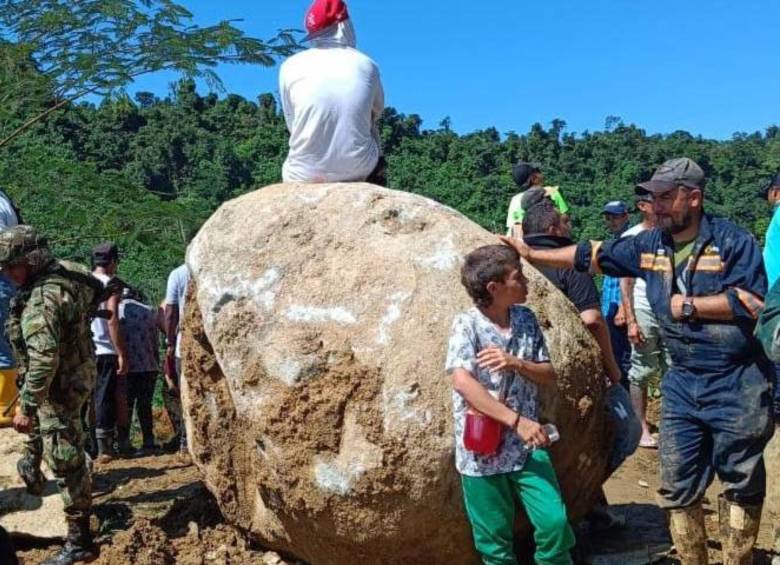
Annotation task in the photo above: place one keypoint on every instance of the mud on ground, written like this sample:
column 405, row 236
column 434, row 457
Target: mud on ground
column 156, row 511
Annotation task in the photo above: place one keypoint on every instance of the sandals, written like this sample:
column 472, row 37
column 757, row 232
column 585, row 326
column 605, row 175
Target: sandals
column 648, row 442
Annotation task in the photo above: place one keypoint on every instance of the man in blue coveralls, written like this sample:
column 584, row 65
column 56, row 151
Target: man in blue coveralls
column 706, row 283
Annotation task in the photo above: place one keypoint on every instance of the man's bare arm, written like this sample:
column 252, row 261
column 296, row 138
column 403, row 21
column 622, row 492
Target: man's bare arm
column 480, row 399
column 112, row 305
column 597, row 326
column 171, row 326
column 561, row 258
column 627, row 293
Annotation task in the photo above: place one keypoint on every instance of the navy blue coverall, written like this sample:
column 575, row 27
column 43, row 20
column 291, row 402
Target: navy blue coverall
column 716, row 415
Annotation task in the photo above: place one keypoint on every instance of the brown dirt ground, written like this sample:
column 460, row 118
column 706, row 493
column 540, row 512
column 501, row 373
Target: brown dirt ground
column 156, row 511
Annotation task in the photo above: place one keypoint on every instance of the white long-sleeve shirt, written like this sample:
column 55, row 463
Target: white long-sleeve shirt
column 332, row 96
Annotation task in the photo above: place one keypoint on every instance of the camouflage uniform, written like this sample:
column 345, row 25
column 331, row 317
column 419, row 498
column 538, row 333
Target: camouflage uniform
column 49, row 331
column 30, row 464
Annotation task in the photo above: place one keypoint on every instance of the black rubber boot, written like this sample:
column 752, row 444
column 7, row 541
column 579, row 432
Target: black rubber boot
column 79, row 547
column 32, row 476
column 123, row 442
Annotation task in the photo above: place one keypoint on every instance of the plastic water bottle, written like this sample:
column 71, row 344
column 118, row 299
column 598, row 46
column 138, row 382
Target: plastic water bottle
column 552, row 433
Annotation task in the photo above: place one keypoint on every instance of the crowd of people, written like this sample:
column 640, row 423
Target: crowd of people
column 685, row 306
column 84, row 350
column 685, row 299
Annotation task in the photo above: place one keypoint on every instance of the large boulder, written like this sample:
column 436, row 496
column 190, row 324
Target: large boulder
column 315, row 396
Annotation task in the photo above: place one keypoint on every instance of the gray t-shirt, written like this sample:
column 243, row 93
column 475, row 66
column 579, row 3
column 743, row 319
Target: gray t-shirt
column 472, row 332
column 175, row 295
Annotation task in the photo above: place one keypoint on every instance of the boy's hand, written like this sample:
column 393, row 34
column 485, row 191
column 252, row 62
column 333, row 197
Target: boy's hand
column 519, row 245
column 495, row 359
column 532, row 433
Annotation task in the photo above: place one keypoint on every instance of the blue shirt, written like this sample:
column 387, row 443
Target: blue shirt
column 772, row 248
column 611, row 298
column 7, row 292
column 725, row 259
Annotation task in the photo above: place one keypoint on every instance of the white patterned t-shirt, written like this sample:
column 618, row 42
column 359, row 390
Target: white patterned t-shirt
column 472, row 332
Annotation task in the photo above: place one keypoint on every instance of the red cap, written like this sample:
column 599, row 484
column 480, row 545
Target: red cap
column 325, row 13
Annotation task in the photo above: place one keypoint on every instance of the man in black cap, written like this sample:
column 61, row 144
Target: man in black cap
column 706, row 283
column 526, row 176
column 110, row 351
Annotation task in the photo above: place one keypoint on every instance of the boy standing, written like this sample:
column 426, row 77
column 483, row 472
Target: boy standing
column 492, row 341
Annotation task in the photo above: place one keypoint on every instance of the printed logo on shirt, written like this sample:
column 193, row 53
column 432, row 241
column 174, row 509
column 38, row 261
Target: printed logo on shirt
column 655, row 262
column 710, row 261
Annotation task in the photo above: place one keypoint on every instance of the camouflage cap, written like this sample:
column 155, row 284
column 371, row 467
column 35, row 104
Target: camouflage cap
column 18, row 242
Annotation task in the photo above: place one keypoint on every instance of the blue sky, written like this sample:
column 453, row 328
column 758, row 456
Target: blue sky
column 709, row 67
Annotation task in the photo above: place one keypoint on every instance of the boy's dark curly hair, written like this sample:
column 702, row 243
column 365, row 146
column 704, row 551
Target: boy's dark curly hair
column 491, row 263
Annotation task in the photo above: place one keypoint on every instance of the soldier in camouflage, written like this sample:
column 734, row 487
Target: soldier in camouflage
column 49, row 330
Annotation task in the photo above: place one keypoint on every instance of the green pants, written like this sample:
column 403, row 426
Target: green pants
column 490, row 506
column 63, row 451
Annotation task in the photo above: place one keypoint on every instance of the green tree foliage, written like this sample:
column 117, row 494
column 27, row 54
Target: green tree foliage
column 99, row 46
column 146, row 171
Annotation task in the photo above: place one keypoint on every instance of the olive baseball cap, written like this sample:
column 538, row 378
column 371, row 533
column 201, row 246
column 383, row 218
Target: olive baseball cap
column 674, row 173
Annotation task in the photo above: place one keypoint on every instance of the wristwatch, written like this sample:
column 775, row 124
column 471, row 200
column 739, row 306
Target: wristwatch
column 688, row 309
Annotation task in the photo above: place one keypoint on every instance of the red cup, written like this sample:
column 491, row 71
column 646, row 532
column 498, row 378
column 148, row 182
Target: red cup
column 482, row 434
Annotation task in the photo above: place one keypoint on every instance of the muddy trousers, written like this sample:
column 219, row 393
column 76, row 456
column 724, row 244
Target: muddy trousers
column 490, row 507
column 63, row 449
column 714, row 424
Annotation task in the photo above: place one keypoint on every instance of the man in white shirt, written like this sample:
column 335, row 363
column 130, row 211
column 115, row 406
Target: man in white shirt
column 332, row 97
column 111, row 355
column 175, row 297
column 649, row 358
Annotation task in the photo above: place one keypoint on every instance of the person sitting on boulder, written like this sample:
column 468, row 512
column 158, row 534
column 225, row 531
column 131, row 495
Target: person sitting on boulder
column 332, row 97
column 496, row 357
